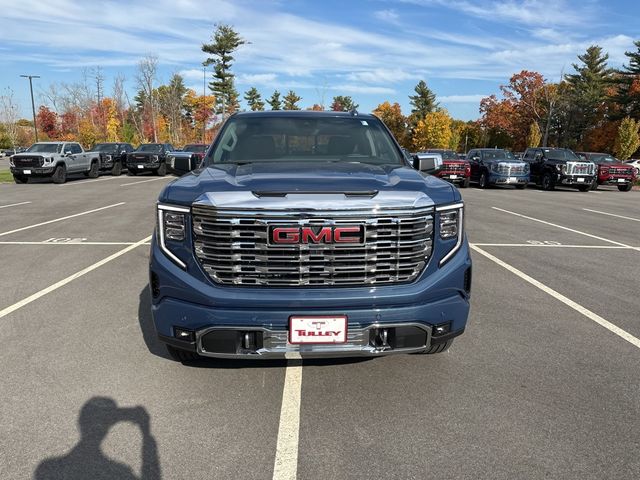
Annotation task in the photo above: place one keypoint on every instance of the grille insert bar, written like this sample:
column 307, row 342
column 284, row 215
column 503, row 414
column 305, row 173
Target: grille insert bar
column 233, row 248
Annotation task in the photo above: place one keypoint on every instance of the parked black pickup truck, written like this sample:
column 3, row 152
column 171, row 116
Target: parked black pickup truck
column 551, row 167
column 149, row 157
column 113, row 156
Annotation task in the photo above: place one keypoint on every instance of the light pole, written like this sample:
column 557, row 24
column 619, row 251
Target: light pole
column 204, row 102
column 33, row 105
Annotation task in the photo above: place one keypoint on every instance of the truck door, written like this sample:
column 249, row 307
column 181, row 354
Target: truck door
column 78, row 158
column 474, row 160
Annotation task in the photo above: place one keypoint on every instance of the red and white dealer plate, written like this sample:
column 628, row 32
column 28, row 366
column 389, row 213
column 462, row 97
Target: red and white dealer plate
column 317, row 329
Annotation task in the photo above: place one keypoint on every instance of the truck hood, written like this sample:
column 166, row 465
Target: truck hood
column 335, row 180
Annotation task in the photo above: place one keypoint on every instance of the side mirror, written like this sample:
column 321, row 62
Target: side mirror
column 67, row 153
column 475, row 158
column 427, row 163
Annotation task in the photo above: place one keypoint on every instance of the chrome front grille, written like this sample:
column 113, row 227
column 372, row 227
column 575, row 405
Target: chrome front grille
column 505, row 168
column 580, row 168
column 620, row 171
column 233, row 248
column 453, row 167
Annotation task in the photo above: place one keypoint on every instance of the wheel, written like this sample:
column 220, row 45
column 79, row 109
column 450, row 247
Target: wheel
column 59, row 174
column 162, row 170
column 116, row 170
column 521, row 186
column 20, row 179
column 625, row 188
column 184, row 356
column 133, row 172
column 482, row 183
column 594, row 184
column 93, row 171
column 547, row 182
column 438, row 348
column 465, row 183
column 585, row 188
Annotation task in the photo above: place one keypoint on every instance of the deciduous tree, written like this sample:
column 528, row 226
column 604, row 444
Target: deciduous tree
column 395, row 121
column 432, row 132
column 628, row 139
column 535, row 135
column 47, row 121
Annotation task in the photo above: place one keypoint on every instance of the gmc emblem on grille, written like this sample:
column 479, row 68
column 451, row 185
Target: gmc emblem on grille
column 324, row 235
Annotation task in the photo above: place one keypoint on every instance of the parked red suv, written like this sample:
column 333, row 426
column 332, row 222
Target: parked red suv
column 453, row 169
column 611, row 171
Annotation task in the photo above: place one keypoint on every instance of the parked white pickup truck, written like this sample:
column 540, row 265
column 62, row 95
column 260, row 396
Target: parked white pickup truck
column 55, row 160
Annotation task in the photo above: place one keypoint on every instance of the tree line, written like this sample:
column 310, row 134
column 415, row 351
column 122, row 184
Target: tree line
column 594, row 107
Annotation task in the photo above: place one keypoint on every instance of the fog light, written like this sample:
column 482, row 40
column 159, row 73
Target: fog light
column 441, row 329
column 184, row 334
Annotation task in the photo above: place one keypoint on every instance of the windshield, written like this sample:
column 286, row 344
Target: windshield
column 195, row 148
column 304, row 139
column 45, row 148
column 150, row 147
column 561, row 154
column 602, row 158
column 104, row 147
column 446, row 154
column 498, row 155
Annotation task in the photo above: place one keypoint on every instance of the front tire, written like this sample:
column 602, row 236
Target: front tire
column 438, row 348
column 162, row 170
column 465, row 183
column 116, row 170
column 59, row 174
column 133, row 173
column 183, row 356
column 20, row 179
column 521, row 186
column 547, row 182
column 482, row 182
column 584, row 188
column 625, row 188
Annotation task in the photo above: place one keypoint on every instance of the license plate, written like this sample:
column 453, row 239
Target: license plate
column 512, row 180
column 26, row 172
column 140, row 167
column 580, row 180
column 621, row 180
column 453, row 177
column 318, row 329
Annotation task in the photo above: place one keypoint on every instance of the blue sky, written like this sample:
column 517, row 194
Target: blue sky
column 373, row 50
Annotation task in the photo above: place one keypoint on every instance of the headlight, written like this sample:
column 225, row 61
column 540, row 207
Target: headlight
column 172, row 222
column 559, row 167
column 11, row 164
column 108, row 157
column 526, row 168
column 47, row 162
column 156, row 158
column 451, row 223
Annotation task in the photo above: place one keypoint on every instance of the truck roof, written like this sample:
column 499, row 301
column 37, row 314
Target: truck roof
column 303, row 113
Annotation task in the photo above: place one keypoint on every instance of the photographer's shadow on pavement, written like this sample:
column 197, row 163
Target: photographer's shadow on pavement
column 87, row 461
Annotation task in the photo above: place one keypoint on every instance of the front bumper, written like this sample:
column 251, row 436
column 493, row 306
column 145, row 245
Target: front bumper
column 33, row 171
column 453, row 177
column 575, row 180
column 615, row 181
column 498, row 179
column 187, row 301
column 143, row 166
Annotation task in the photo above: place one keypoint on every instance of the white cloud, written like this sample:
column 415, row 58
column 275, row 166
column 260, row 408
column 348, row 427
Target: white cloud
column 380, row 75
column 388, row 16
column 461, row 98
column 257, row 79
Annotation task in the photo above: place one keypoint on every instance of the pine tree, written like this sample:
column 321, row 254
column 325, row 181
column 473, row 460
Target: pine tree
column 254, row 99
column 587, row 92
column 628, row 85
column 291, row 100
column 423, row 102
column 274, row 102
column 343, row 104
column 225, row 42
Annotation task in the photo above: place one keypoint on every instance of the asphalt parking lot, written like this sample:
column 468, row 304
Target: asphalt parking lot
column 545, row 383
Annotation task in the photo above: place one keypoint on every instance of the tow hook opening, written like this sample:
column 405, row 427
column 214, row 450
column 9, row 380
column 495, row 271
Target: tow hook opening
column 393, row 338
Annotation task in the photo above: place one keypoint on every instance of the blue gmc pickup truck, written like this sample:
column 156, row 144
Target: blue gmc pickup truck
column 308, row 234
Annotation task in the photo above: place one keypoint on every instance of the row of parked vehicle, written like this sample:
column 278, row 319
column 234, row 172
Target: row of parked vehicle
column 544, row 167
column 59, row 159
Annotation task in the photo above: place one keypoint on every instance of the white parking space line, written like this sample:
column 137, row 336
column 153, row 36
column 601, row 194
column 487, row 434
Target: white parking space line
column 286, row 462
column 72, row 243
column 61, row 219
column 608, row 247
column 84, row 182
column 31, row 298
column 13, row 204
column 612, row 215
column 567, row 301
column 144, row 181
column 566, row 228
